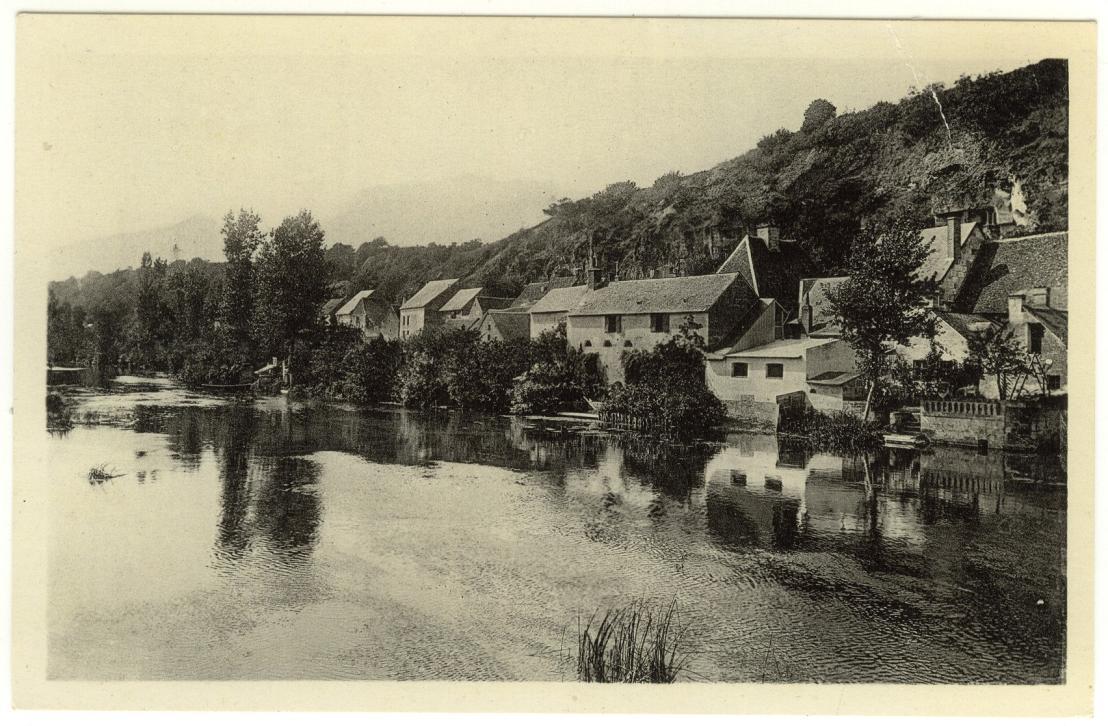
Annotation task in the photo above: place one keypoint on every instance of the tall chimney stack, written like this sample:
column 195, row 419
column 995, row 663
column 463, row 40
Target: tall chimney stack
column 771, row 235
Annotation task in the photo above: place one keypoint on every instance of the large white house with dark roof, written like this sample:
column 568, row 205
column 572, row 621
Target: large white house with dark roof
column 638, row 314
column 422, row 310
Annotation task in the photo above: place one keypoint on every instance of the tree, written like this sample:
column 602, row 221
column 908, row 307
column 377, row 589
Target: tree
column 241, row 239
column 292, row 284
column 883, row 303
column 997, row 353
column 819, row 112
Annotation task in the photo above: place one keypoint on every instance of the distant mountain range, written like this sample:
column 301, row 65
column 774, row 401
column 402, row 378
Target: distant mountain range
column 450, row 210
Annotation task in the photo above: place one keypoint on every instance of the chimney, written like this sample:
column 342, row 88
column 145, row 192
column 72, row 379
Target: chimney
column 771, row 235
column 807, row 317
column 1038, row 297
column 1015, row 308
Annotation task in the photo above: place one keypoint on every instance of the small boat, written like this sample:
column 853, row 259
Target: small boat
column 906, row 441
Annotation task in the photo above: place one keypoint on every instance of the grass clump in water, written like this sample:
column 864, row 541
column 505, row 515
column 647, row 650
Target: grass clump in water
column 101, row 473
column 634, row 644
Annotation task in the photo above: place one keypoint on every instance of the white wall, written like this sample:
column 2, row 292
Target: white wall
column 756, row 386
column 541, row 322
column 635, row 329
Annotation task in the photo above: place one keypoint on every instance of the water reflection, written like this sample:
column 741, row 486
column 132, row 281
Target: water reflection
column 947, row 565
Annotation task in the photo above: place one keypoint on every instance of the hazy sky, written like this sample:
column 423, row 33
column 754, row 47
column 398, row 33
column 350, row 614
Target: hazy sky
column 128, row 123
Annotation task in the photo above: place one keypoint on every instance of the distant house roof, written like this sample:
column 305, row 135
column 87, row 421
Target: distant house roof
column 488, row 302
column 770, row 272
column 560, row 299
column 1009, row 265
column 1056, row 321
column 660, row 295
column 813, row 292
column 460, row 301
column 781, row 349
column 833, row 378
column 533, row 291
column 428, row 293
column 936, row 239
column 509, row 324
column 965, row 324
column 331, row 306
column 352, row 303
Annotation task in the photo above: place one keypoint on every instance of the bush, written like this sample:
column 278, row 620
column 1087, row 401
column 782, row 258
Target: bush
column 680, row 411
column 838, row 432
column 559, row 379
column 372, row 370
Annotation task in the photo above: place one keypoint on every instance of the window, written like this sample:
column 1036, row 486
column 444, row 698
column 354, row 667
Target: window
column 738, row 370
column 627, row 344
column 775, row 370
column 613, row 324
column 1034, row 338
column 588, row 343
column 607, row 344
column 1053, row 383
column 659, row 323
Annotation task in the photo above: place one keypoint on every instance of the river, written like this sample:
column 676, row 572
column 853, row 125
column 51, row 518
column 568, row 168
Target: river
column 272, row 540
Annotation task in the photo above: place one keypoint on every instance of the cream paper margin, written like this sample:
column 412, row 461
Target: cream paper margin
column 40, row 37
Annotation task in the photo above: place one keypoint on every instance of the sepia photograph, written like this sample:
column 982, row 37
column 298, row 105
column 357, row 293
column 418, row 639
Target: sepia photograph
column 570, row 352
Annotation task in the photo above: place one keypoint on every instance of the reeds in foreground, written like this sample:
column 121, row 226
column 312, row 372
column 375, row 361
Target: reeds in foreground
column 638, row 643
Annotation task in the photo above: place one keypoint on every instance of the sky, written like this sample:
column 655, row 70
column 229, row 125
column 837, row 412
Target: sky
column 128, row 123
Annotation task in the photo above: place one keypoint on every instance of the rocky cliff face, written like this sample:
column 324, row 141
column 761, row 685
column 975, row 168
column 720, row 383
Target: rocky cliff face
column 998, row 140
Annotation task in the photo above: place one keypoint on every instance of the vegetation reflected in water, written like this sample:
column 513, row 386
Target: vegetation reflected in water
column 347, row 543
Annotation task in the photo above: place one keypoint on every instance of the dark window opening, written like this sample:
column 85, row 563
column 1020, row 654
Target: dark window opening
column 607, row 344
column 1035, row 337
column 1053, row 383
column 775, row 370
column 627, row 344
column 659, row 323
column 612, row 324
column 588, row 343
column 738, row 370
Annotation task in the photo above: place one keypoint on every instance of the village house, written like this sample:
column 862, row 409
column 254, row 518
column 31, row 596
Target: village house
column 422, row 310
column 370, row 314
column 505, row 325
column 553, row 308
column 329, row 309
column 771, row 265
column 755, row 382
column 1016, row 283
column 953, row 245
column 611, row 318
column 534, row 291
column 468, row 305
column 815, row 319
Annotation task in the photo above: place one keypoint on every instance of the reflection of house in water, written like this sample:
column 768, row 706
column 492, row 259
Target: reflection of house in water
column 760, row 495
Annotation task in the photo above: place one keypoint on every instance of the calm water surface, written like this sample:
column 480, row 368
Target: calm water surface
column 269, row 540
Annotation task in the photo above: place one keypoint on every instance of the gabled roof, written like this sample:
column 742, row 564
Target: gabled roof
column 428, row 293
column 769, row 272
column 460, row 301
column 1056, row 321
column 1008, row 265
column 966, row 325
column 734, row 336
column 658, row 295
column 813, row 292
column 510, row 324
column 352, row 303
column 488, row 302
column 534, row 291
column 938, row 262
column 560, row 299
column 331, row 306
